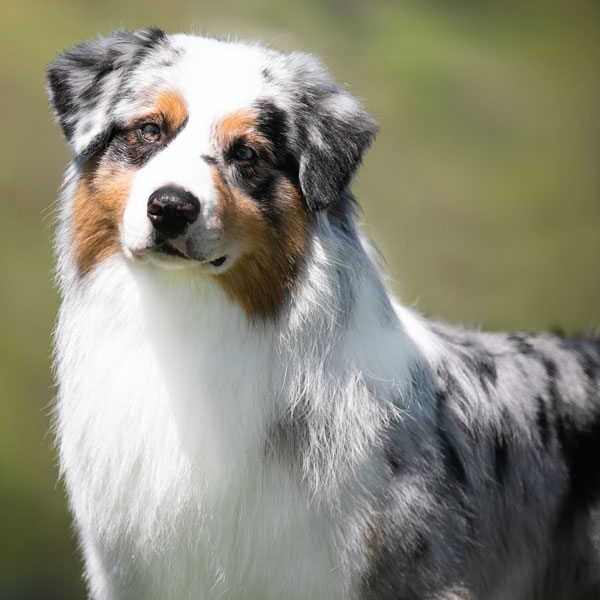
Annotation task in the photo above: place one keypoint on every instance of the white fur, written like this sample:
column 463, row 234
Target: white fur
column 166, row 394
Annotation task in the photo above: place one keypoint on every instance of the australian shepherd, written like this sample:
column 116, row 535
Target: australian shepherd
column 244, row 411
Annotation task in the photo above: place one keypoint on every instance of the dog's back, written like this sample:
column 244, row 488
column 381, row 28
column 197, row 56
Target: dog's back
column 243, row 410
column 507, row 470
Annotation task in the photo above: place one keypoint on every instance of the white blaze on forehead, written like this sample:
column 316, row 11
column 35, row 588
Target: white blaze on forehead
column 217, row 78
column 214, row 79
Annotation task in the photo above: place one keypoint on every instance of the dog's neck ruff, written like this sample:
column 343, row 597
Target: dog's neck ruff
column 180, row 414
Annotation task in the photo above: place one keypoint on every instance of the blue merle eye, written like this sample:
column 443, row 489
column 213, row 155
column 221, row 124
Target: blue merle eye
column 244, row 153
column 150, row 132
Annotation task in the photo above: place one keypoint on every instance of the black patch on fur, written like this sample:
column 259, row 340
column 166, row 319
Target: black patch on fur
column 581, row 450
column 287, row 437
column 394, row 463
column 484, row 364
column 541, row 419
column 264, row 191
column 578, row 433
column 477, row 360
column 68, row 128
column 551, row 374
column 554, row 396
column 330, row 160
column 127, row 145
column 421, row 548
column 590, row 367
column 260, row 180
column 272, row 123
column 61, row 99
column 89, row 94
column 100, row 142
column 450, row 453
column 451, row 386
column 76, row 79
column 500, row 454
column 550, row 366
column 332, row 133
column 521, row 343
column 488, row 374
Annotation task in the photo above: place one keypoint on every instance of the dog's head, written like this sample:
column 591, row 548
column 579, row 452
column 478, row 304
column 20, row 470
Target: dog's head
column 203, row 153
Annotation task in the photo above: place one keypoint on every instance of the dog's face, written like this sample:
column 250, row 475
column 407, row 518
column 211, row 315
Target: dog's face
column 199, row 153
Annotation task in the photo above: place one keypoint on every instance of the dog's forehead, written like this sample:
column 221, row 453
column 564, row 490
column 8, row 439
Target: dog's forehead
column 213, row 77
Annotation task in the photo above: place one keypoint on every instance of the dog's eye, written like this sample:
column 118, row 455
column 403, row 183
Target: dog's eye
column 244, row 153
column 150, row 132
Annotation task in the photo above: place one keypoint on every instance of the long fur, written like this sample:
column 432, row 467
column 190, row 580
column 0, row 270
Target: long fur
column 337, row 446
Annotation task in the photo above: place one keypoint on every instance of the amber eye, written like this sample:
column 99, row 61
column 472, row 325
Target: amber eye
column 150, row 132
column 244, row 153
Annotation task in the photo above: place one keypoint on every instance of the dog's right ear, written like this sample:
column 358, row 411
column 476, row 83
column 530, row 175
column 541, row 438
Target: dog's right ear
column 333, row 131
column 84, row 82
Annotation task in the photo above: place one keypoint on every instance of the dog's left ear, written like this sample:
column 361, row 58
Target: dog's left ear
column 85, row 82
column 333, row 132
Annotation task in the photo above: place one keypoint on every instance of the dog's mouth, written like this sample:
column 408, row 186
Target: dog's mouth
column 218, row 261
column 170, row 250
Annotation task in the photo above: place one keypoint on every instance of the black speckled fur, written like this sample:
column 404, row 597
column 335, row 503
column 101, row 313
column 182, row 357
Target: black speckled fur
column 515, row 470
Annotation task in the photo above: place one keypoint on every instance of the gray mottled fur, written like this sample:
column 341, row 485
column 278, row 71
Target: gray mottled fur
column 506, row 474
column 486, row 483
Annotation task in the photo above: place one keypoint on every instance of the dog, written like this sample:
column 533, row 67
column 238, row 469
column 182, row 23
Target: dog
column 243, row 410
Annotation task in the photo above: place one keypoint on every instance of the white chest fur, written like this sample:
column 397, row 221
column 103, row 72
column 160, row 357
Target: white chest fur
column 166, row 396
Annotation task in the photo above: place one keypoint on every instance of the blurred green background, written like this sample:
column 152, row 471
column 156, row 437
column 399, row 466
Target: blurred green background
column 482, row 190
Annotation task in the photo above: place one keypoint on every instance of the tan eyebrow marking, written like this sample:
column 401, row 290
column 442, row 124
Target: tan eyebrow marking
column 173, row 108
column 240, row 124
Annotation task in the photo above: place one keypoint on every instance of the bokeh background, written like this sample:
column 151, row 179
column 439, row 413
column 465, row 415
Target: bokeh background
column 483, row 189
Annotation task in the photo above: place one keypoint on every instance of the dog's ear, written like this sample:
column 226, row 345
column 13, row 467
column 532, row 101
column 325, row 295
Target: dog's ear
column 333, row 132
column 85, row 82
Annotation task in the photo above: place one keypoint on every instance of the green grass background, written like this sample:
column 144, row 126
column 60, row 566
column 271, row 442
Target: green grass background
column 482, row 190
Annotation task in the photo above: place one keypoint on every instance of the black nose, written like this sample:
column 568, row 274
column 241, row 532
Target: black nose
column 172, row 209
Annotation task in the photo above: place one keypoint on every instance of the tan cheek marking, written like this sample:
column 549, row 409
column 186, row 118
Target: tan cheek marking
column 266, row 270
column 295, row 219
column 103, row 191
column 97, row 214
